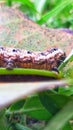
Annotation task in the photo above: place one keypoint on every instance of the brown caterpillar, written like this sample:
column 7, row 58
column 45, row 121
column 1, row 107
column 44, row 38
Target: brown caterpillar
column 48, row 60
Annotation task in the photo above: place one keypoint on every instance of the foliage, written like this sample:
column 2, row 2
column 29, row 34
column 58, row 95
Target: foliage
column 53, row 13
column 52, row 109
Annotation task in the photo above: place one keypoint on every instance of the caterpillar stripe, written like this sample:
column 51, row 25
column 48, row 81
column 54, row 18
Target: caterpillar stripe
column 49, row 59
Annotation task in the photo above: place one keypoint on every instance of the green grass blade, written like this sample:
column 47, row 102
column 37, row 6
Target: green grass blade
column 9, row 2
column 40, row 5
column 28, row 3
column 55, row 11
column 69, row 58
column 61, row 118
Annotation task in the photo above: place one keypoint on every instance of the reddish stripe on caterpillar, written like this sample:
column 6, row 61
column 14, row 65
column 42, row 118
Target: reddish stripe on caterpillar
column 11, row 58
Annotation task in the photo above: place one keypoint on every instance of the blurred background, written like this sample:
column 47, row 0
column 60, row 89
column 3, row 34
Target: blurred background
column 52, row 13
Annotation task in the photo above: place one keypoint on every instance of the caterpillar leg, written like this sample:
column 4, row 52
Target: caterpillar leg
column 9, row 64
column 55, row 69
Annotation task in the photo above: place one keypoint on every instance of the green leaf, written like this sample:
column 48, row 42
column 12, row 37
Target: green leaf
column 16, row 106
column 3, row 123
column 66, row 91
column 2, row 112
column 67, row 126
column 35, row 109
column 48, row 103
column 21, row 127
column 61, row 118
column 59, row 99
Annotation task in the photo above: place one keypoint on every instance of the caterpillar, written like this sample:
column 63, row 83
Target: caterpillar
column 11, row 58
